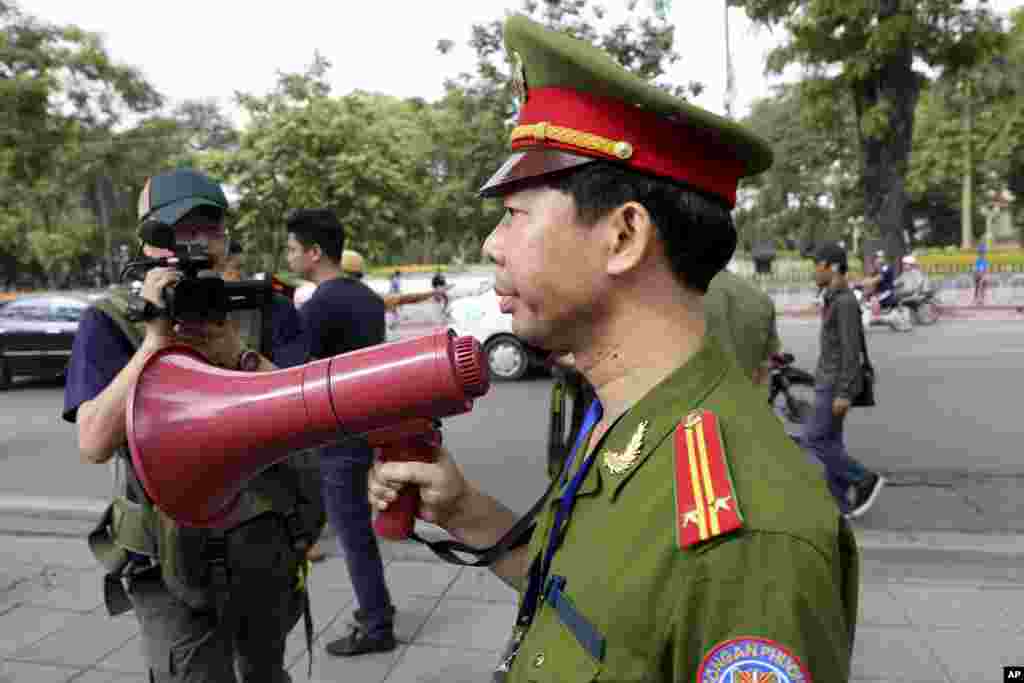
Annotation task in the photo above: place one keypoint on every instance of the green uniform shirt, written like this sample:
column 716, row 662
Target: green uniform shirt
column 788, row 576
column 742, row 318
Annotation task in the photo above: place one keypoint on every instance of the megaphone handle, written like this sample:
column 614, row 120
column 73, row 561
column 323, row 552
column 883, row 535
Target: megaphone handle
column 396, row 523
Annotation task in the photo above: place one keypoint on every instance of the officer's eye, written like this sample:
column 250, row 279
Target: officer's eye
column 510, row 213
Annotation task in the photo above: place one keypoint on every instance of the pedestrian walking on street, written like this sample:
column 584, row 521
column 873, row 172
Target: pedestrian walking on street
column 981, row 268
column 394, row 287
column 343, row 315
column 687, row 538
column 838, row 379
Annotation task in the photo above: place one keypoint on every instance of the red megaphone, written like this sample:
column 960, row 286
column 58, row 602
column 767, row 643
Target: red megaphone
column 198, row 433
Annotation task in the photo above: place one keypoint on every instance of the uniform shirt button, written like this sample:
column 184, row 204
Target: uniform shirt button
column 538, row 659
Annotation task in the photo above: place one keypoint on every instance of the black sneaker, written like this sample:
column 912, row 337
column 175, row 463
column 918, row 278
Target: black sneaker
column 360, row 642
column 864, row 495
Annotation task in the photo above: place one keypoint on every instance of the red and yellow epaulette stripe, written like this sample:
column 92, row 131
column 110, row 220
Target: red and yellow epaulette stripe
column 706, row 504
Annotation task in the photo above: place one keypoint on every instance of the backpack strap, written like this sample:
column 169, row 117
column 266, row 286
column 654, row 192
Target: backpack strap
column 125, row 530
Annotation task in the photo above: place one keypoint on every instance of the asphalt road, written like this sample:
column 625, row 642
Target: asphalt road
column 949, row 404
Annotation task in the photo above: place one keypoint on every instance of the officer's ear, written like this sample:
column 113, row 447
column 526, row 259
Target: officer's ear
column 632, row 234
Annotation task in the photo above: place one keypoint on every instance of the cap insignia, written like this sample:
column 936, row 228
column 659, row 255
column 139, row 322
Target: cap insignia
column 519, row 78
column 618, row 462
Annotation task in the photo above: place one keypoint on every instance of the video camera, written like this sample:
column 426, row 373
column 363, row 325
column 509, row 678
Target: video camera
column 192, row 298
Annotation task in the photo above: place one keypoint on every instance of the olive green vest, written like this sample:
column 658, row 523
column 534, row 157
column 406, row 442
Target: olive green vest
column 133, row 525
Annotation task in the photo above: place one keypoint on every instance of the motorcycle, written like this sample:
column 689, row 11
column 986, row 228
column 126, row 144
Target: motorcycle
column 898, row 316
column 923, row 307
column 790, row 393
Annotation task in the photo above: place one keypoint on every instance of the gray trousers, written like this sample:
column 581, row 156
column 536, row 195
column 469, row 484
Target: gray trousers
column 184, row 645
column 823, row 438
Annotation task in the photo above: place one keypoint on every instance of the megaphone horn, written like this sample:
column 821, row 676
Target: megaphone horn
column 198, row 433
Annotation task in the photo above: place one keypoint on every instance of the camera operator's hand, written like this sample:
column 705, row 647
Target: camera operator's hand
column 158, row 330
column 218, row 341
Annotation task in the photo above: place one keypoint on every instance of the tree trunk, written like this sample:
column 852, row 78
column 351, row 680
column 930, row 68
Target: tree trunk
column 886, row 154
column 104, row 205
column 967, row 194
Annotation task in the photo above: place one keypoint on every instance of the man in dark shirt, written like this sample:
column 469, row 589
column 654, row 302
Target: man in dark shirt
column 344, row 315
column 838, row 379
column 883, row 282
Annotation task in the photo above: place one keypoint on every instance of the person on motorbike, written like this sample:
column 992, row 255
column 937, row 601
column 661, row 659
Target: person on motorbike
column 912, row 280
column 882, row 284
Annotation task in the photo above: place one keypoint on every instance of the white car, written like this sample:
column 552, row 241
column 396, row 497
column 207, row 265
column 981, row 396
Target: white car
column 480, row 317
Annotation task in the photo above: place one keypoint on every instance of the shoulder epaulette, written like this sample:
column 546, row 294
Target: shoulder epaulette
column 706, row 504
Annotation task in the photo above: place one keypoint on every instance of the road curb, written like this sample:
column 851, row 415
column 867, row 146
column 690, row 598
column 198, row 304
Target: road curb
column 939, row 545
column 948, row 546
column 48, row 507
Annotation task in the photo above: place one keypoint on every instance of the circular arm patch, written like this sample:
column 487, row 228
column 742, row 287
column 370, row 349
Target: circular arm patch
column 751, row 660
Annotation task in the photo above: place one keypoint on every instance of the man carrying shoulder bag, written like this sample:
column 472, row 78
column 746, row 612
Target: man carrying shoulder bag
column 844, row 378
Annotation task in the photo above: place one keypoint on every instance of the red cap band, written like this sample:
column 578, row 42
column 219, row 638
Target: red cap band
column 667, row 148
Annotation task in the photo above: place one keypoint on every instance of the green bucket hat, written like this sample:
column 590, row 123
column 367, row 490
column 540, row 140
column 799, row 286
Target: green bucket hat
column 167, row 197
column 578, row 105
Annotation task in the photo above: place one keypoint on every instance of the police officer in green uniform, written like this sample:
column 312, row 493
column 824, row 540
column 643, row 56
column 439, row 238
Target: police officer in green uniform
column 210, row 603
column 742, row 319
column 688, row 539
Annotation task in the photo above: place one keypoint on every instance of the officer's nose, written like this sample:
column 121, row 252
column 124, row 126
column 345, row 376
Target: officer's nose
column 489, row 249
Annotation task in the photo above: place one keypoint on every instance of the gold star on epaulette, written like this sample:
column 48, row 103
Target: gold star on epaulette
column 616, row 462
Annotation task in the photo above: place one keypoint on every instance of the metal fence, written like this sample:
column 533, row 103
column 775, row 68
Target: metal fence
column 793, row 272
column 1002, row 288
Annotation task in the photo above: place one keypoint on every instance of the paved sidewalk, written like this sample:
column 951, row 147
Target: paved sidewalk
column 920, row 623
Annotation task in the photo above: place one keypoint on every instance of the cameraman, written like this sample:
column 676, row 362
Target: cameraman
column 197, row 622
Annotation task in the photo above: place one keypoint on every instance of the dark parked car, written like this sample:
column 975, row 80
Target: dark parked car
column 36, row 334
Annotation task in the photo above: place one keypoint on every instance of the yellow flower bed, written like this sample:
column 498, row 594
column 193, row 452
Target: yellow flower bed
column 413, row 268
column 1005, row 257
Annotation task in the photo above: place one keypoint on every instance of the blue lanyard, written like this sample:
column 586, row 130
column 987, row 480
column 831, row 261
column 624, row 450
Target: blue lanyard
column 567, row 499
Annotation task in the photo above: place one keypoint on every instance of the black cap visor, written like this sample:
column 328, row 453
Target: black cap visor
column 524, row 168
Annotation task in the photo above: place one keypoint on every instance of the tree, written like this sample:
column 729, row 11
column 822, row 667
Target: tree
column 205, row 125
column 61, row 96
column 808, row 195
column 865, row 51
column 982, row 155
column 363, row 155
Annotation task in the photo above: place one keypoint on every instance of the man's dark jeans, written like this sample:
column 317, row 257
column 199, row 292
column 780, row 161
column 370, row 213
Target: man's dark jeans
column 823, row 438
column 345, row 469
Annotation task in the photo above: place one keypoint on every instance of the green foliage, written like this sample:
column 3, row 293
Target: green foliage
column 862, row 139
column 810, row 192
column 996, row 132
column 363, row 155
column 865, row 52
column 62, row 97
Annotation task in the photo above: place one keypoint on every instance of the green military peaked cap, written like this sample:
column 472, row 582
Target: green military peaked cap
column 578, row 105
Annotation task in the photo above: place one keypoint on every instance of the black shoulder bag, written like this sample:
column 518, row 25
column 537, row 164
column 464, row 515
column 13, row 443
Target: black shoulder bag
column 866, row 397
